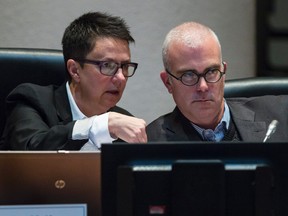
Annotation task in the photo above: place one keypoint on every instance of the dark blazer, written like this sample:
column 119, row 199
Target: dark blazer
column 40, row 118
column 250, row 115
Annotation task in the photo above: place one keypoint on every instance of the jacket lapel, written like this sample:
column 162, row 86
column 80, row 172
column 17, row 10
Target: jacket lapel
column 249, row 129
column 62, row 104
column 180, row 128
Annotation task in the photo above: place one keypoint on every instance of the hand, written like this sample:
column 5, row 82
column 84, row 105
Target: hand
column 127, row 128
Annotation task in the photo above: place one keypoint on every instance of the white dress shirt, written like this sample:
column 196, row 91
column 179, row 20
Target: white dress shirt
column 94, row 128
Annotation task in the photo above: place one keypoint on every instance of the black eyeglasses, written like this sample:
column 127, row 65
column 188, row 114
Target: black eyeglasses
column 110, row 68
column 190, row 78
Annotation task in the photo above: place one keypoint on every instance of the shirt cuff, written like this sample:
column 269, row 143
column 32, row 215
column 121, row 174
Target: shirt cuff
column 99, row 132
column 81, row 128
column 94, row 128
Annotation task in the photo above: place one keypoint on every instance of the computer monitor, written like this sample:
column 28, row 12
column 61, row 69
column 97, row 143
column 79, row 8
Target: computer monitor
column 50, row 181
column 200, row 179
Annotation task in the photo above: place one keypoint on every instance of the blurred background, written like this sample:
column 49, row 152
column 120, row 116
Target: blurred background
column 253, row 34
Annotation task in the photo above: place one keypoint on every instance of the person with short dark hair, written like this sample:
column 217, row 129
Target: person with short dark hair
column 82, row 113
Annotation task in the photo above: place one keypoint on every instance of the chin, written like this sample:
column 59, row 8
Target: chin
column 112, row 103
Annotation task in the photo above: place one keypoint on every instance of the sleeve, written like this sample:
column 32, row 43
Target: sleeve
column 27, row 129
column 95, row 129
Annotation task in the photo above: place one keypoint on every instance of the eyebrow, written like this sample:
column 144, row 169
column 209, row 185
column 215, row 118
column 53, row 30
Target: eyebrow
column 108, row 59
column 217, row 66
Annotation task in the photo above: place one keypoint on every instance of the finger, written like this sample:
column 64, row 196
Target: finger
column 143, row 137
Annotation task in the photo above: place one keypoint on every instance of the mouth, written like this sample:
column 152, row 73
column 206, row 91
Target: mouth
column 202, row 100
column 113, row 92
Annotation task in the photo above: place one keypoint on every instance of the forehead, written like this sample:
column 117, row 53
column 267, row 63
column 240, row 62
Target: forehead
column 106, row 46
column 183, row 57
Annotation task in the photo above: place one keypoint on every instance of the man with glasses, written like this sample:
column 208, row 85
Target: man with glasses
column 82, row 113
column 195, row 74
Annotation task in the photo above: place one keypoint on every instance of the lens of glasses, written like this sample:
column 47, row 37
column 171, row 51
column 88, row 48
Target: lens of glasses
column 111, row 68
column 212, row 75
column 128, row 69
column 190, row 78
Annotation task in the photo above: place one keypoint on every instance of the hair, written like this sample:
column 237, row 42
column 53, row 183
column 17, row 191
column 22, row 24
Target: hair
column 191, row 34
column 81, row 35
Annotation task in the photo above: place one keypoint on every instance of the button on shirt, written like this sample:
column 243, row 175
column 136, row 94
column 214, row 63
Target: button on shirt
column 219, row 132
column 94, row 128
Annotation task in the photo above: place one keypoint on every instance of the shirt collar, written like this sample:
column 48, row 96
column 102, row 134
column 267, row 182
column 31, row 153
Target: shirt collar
column 225, row 120
column 76, row 113
column 226, row 116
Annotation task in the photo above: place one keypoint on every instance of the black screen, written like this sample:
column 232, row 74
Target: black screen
column 179, row 179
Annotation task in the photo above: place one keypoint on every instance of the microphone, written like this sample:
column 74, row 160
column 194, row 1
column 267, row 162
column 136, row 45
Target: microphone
column 271, row 129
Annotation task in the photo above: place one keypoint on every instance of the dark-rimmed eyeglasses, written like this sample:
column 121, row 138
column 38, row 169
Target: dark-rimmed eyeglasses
column 110, row 68
column 190, row 78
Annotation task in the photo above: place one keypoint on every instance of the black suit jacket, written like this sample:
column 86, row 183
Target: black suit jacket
column 250, row 115
column 40, row 118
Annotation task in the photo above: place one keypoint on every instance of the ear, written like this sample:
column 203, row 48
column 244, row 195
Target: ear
column 72, row 67
column 224, row 67
column 166, row 81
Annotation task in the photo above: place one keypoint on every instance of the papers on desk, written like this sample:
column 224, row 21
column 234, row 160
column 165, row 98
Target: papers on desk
column 44, row 210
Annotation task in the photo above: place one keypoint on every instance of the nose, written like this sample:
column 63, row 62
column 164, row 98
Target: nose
column 119, row 74
column 118, row 77
column 202, row 85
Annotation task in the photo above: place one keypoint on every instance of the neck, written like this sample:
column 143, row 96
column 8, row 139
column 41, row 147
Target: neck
column 85, row 105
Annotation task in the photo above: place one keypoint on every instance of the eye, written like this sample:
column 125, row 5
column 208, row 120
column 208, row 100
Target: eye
column 189, row 75
column 212, row 72
column 109, row 65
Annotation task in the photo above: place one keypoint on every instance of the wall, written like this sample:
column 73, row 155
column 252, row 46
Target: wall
column 41, row 23
column 278, row 21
